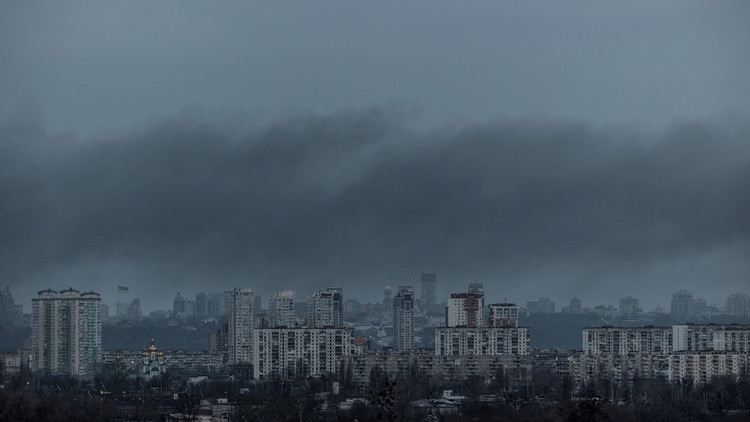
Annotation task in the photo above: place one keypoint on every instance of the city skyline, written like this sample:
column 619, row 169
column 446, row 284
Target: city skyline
column 531, row 148
column 328, row 210
column 666, row 304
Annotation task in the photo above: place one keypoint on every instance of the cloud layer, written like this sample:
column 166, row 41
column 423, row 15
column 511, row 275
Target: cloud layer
column 201, row 201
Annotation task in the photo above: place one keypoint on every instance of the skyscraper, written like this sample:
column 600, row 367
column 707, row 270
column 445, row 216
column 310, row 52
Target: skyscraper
column 179, row 306
column 241, row 326
column 682, row 305
column 465, row 309
column 66, row 333
column 326, row 308
column 201, row 304
column 281, row 312
column 337, row 293
column 429, row 287
column 403, row 318
column 738, row 304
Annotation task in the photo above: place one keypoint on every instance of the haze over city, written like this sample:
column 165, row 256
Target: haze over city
column 560, row 149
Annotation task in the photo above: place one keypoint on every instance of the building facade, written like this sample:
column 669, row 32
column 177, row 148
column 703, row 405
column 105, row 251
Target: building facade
column 403, row 318
column 459, row 341
column 428, row 282
column 700, row 368
column 685, row 353
column 516, row 369
column 683, row 305
column 282, row 353
column 711, row 337
column 738, row 304
column 281, row 311
column 503, row 315
column 325, row 309
column 624, row 340
column 241, row 323
column 465, row 309
column 66, row 333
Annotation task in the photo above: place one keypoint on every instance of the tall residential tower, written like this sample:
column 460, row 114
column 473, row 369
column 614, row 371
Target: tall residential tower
column 403, row 318
column 66, row 333
column 241, row 326
column 281, row 312
column 325, row 309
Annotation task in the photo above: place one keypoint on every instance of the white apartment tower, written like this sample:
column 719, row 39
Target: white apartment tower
column 66, row 333
column 465, row 309
column 241, row 326
column 403, row 318
column 325, row 309
column 281, row 312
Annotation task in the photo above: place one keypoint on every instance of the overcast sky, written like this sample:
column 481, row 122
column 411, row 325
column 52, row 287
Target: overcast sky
column 551, row 148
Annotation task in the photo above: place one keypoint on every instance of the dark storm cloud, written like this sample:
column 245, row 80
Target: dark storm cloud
column 360, row 198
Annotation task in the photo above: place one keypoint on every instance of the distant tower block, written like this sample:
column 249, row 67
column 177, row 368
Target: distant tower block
column 387, row 301
column 403, row 318
column 325, row 308
column 429, row 287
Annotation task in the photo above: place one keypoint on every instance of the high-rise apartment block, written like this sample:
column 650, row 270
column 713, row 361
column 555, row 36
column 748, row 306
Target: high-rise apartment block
column 241, row 326
column 486, row 341
column 428, row 282
column 325, row 309
column 624, row 340
column 179, row 305
column 713, row 337
column 685, row 353
column 337, row 292
column 738, row 304
column 403, row 318
column 666, row 340
column 465, row 309
column 281, row 311
column 209, row 304
column 503, row 315
column 683, row 305
column 702, row 368
column 66, row 333
column 283, row 352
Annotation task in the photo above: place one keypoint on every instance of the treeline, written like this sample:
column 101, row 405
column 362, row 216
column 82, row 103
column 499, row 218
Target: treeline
column 409, row 396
